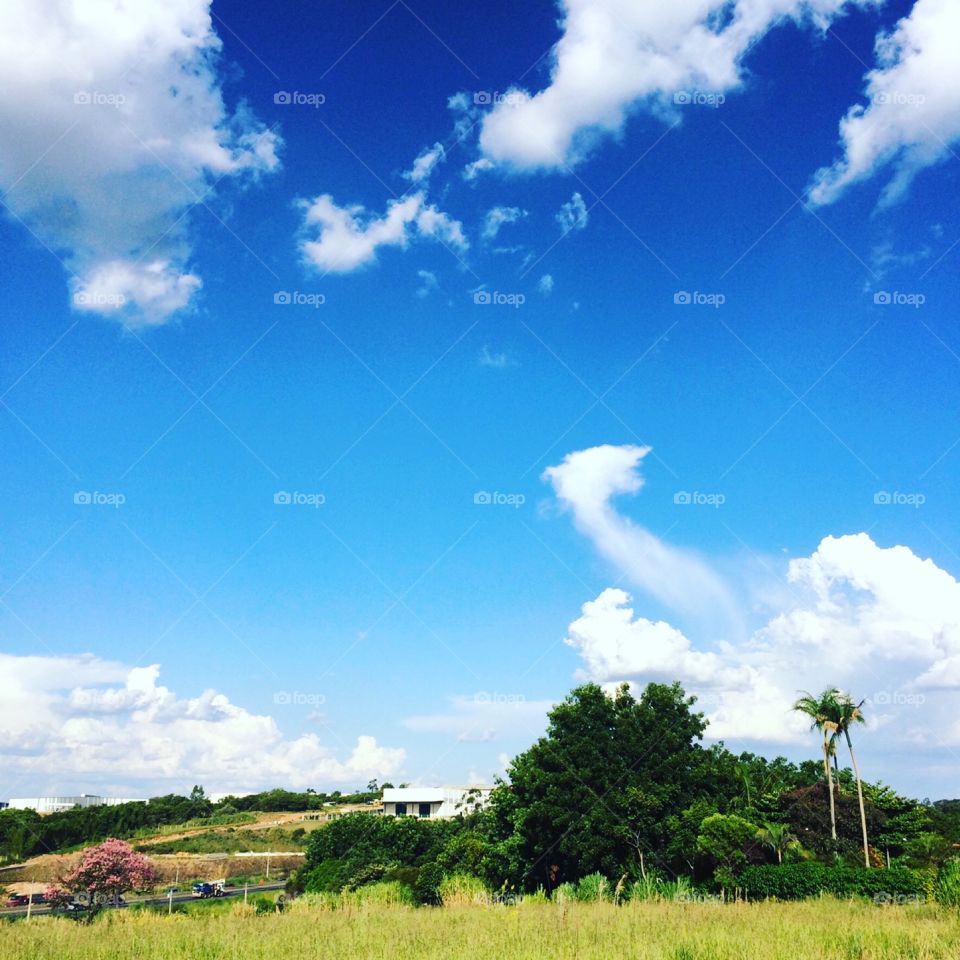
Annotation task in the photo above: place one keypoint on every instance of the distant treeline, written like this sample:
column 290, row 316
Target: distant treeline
column 25, row 833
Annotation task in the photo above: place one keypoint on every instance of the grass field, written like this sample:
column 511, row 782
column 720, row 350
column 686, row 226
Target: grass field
column 824, row 930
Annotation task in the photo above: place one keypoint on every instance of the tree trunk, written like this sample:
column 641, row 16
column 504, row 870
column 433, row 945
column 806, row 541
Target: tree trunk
column 863, row 813
column 829, row 773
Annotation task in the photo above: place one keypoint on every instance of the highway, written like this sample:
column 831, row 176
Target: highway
column 183, row 897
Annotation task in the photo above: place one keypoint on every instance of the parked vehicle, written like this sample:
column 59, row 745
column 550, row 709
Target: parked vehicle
column 205, row 890
column 18, row 900
column 75, row 907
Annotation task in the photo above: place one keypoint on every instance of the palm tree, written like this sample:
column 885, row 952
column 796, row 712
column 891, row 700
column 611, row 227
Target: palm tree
column 820, row 710
column 777, row 836
column 844, row 713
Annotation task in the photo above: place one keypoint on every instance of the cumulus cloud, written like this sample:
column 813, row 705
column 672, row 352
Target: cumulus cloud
column 497, row 217
column 67, row 719
column 573, row 215
column 586, row 483
column 617, row 54
column 341, row 239
column 880, row 621
column 913, row 111
column 114, row 126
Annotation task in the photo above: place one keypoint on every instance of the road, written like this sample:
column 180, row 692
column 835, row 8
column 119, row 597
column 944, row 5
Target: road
column 183, row 897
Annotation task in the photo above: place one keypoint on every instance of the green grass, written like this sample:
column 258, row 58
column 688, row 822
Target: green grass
column 347, row 927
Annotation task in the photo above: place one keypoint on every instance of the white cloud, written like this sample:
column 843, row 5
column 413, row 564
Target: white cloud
column 428, row 282
column 573, row 215
column 879, row 621
column 617, row 54
column 486, row 717
column 586, row 483
column 69, row 720
column 114, row 126
column 913, row 111
column 424, row 165
column 545, row 284
column 473, row 170
column 347, row 239
column 499, row 361
column 497, row 217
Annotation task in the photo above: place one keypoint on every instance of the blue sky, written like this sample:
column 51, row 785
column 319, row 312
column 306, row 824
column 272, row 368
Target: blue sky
column 199, row 631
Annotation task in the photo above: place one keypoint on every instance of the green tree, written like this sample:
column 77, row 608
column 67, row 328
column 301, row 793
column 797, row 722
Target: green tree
column 777, row 837
column 844, row 713
column 593, row 795
column 819, row 710
column 725, row 838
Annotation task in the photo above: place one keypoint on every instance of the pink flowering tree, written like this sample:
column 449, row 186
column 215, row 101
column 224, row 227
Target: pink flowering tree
column 110, row 869
column 57, row 897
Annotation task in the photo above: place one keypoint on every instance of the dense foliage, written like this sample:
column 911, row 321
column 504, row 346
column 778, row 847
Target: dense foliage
column 618, row 799
column 797, row 881
column 25, row 833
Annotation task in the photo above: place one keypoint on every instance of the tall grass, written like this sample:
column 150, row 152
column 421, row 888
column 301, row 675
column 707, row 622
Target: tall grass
column 362, row 929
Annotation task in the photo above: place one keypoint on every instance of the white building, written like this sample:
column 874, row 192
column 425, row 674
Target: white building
column 59, row 804
column 435, row 802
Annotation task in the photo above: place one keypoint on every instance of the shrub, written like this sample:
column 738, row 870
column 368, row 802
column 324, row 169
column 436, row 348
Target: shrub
column 797, row 881
column 947, row 889
column 461, row 889
column 426, row 889
column 593, row 888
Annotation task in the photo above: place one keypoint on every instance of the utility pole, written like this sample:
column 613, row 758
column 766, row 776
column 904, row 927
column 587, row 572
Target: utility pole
column 170, row 901
column 30, row 905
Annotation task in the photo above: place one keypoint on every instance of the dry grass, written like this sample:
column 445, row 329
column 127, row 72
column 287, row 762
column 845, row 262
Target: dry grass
column 825, row 930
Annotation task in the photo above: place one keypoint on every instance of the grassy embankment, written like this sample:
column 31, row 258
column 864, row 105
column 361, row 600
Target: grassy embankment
column 349, row 927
